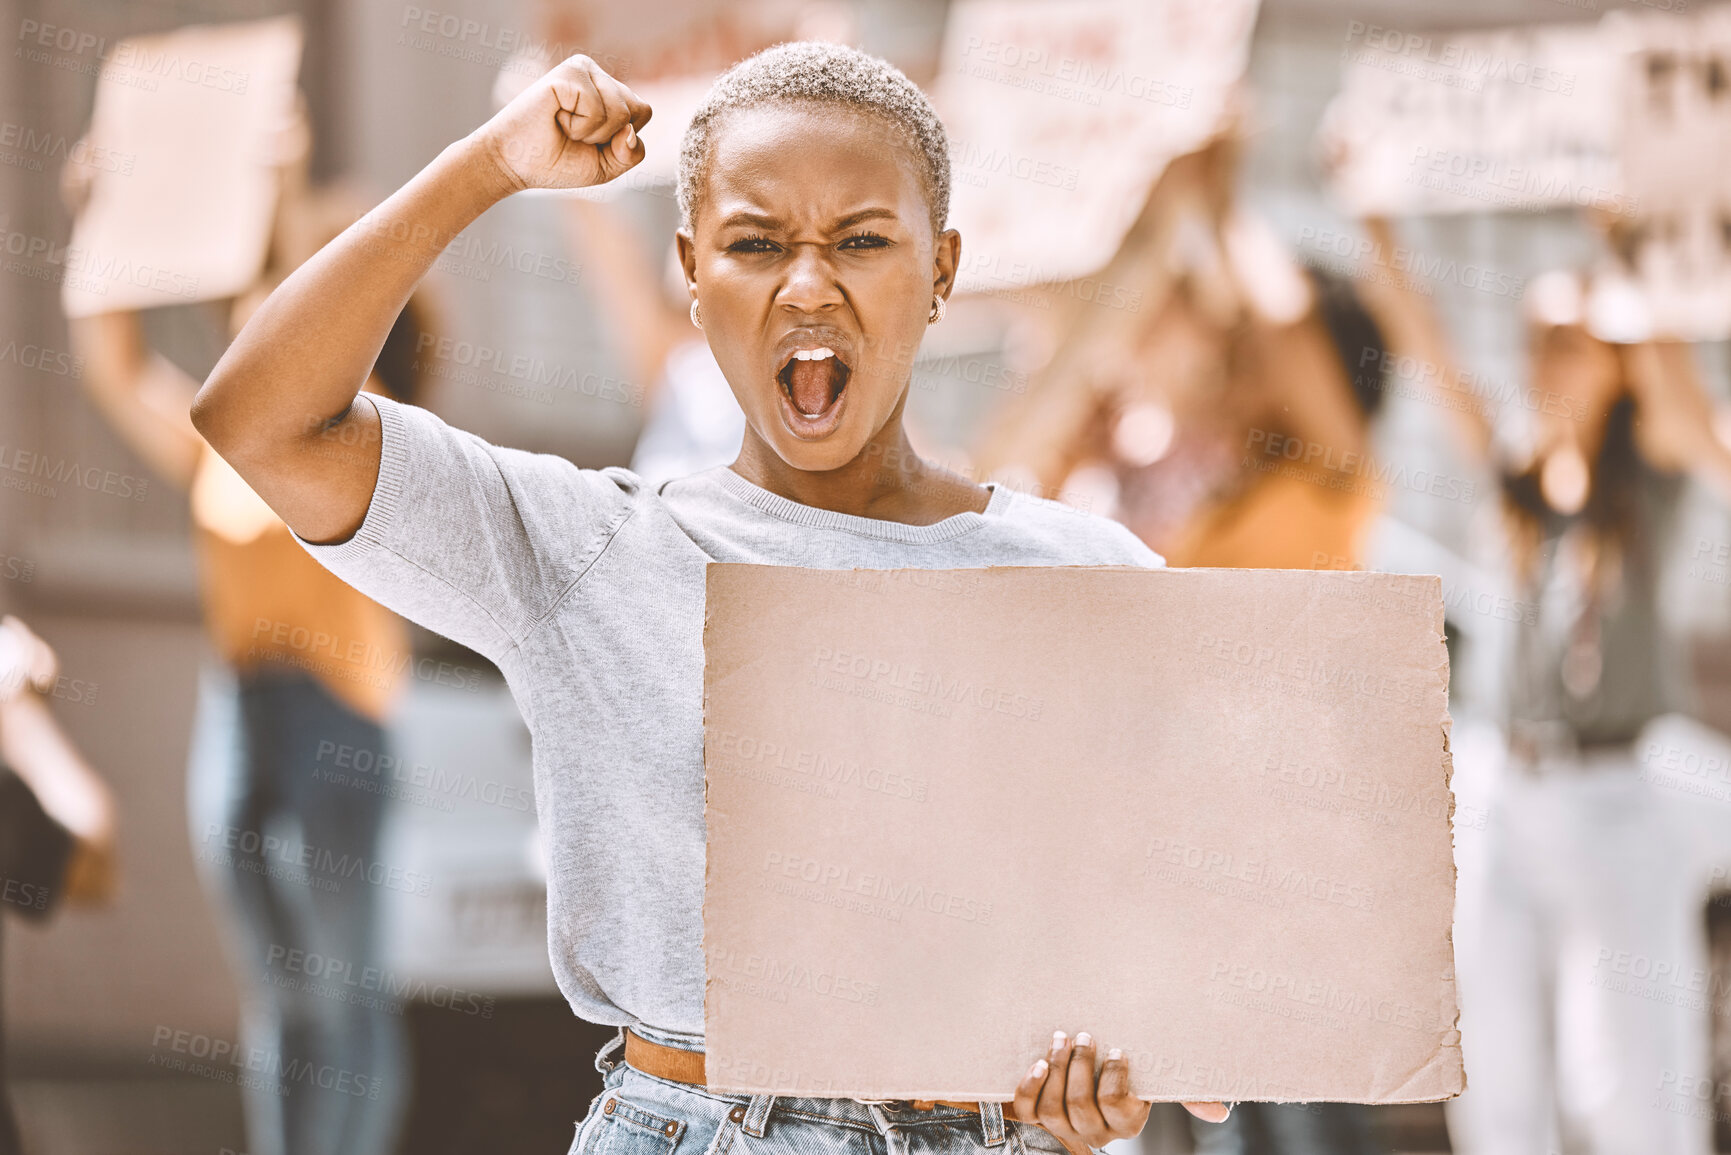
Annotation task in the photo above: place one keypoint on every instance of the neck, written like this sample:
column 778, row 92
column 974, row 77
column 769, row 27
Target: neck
column 886, row 480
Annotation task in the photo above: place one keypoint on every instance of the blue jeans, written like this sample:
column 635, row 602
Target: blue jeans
column 639, row 1114
column 330, row 1076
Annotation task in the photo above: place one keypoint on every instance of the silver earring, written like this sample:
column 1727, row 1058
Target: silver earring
column 696, row 317
column 938, row 307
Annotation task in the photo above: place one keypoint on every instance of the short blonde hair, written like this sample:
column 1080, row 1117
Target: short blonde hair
column 833, row 75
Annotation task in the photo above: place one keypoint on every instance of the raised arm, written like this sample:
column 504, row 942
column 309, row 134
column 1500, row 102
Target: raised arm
column 1678, row 429
column 142, row 393
column 1412, row 328
column 281, row 405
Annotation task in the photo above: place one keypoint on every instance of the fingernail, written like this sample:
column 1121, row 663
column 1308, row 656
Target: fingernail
column 1038, row 1069
column 1083, row 1038
column 630, row 137
column 1057, row 1040
column 1115, row 1053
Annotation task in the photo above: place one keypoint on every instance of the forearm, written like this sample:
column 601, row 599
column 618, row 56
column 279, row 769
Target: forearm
column 32, row 743
column 143, row 395
column 303, row 356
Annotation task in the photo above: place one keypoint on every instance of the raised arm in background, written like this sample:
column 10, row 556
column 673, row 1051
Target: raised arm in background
column 1412, row 328
column 144, row 396
column 281, row 405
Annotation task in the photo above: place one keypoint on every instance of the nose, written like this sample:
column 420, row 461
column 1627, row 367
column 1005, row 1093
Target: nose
column 810, row 285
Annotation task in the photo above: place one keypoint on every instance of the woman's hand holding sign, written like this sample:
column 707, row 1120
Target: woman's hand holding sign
column 1063, row 1094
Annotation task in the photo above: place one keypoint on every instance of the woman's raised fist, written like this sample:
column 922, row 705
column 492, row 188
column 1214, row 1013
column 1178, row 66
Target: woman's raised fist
column 574, row 127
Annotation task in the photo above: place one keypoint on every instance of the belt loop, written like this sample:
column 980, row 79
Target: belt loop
column 602, row 1062
column 992, row 1122
column 757, row 1115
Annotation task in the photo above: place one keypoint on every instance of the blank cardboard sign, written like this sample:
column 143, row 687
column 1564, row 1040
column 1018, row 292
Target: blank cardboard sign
column 1201, row 814
column 183, row 144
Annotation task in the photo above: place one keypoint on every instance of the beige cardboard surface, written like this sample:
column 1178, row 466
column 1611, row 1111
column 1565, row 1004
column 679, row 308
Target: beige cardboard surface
column 1202, row 814
column 190, row 123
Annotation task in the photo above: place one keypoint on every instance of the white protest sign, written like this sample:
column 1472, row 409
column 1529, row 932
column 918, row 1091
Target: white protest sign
column 1519, row 119
column 1061, row 114
column 198, row 116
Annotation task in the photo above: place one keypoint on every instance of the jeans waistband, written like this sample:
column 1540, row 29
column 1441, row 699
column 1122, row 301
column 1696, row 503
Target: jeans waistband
column 880, row 1115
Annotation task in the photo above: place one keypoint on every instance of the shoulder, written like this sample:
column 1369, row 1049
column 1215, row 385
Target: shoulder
column 1077, row 536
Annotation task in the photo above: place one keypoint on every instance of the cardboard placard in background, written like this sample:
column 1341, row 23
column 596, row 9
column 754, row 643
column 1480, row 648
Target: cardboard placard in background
column 1061, row 114
column 1202, row 814
column 1521, row 119
column 1676, row 134
column 193, row 120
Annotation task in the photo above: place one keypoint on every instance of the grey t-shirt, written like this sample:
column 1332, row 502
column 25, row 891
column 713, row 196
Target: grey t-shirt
column 586, row 589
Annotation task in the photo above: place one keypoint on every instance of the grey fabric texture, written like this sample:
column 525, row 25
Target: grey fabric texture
column 586, row 588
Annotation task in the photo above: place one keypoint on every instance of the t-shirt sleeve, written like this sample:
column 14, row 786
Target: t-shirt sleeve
column 469, row 539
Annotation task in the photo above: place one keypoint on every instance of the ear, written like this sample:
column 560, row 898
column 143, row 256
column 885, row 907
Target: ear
column 946, row 259
column 687, row 259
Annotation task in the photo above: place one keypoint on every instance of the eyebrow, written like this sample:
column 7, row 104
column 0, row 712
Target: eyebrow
column 761, row 221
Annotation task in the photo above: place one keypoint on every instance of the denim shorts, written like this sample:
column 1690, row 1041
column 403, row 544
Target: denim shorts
column 641, row 1114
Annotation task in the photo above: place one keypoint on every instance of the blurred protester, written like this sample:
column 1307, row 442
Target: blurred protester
column 1177, row 419
column 1583, row 855
column 1180, row 418
column 56, row 816
column 309, row 670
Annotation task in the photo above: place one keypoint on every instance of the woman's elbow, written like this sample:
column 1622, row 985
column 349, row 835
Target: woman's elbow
column 213, row 417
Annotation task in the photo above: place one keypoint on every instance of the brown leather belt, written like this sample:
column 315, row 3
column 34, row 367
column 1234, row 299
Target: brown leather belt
column 687, row 1067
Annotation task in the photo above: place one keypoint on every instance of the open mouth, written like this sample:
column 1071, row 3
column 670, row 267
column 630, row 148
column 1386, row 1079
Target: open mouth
column 813, row 382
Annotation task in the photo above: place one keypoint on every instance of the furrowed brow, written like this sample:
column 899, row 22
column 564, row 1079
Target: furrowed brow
column 871, row 214
column 753, row 220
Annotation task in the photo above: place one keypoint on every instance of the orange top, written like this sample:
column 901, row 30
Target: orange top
column 1282, row 522
column 267, row 600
